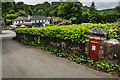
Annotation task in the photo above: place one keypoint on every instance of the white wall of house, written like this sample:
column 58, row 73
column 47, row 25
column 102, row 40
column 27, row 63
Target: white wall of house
column 32, row 21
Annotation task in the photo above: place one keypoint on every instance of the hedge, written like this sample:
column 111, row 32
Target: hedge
column 74, row 33
column 102, row 65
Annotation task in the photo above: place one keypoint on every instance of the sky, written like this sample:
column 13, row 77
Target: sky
column 100, row 4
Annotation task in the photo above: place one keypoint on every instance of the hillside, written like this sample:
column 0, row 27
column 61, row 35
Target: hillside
column 73, row 11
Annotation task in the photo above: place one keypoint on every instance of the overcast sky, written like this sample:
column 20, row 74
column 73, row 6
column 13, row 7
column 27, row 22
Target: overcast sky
column 100, row 4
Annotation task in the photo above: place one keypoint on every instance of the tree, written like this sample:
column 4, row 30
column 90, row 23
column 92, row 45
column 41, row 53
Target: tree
column 11, row 12
column 30, row 12
column 93, row 13
column 22, row 13
column 6, row 7
column 11, row 16
column 40, row 11
column 117, row 9
column 70, row 10
column 84, row 18
column 61, row 1
column 20, row 5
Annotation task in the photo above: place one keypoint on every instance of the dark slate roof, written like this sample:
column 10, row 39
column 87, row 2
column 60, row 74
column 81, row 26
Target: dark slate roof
column 27, row 24
column 97, row 31
column 21, row 18
column 36, row 17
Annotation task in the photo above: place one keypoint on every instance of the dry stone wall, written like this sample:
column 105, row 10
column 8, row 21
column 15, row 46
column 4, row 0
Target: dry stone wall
column 64, row 44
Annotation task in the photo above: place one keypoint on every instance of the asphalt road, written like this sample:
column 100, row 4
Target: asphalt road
column 20, row 61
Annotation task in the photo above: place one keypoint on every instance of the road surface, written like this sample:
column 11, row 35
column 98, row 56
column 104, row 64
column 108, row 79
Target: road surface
column 20, row 61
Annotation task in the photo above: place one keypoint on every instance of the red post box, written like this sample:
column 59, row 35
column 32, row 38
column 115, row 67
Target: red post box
column 93, row 49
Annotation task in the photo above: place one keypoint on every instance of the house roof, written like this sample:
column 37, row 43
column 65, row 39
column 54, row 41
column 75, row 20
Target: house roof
column 28, row 24
column 21, row 18
column 36, row 17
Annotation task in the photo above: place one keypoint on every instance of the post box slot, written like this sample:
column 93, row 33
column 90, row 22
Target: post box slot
column 93, row 42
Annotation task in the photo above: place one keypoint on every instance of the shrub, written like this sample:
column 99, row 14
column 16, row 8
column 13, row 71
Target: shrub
column 82, row 59
column 73, row 33
column 49, row 25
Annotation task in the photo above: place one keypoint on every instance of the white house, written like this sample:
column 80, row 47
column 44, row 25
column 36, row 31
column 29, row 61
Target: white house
column 31, row 21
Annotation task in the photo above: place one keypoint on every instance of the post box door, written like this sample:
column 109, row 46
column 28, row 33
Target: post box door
column 94, row 49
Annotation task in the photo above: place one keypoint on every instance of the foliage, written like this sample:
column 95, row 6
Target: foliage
column 40, row 11
column 70, row 10
column 11, row 16
column 74, row 33
column 22, row 13
column 6, row 7
column 49, row 25
column 73, row 11
column 82, row 59
column 93, row 15
column 117, row 9
column 11, row 12
column 59, row 24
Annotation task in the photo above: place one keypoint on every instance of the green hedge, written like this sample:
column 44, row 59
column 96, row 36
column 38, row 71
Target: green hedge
column 102, row 65
column 74, row 33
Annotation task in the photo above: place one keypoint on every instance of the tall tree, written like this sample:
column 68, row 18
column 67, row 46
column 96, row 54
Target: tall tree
column 70, row 10
column 92, row 13
column 61, row 1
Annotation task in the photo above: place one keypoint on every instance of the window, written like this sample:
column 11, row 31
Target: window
column 37, row 21
column 40, row 20
column 27, row 21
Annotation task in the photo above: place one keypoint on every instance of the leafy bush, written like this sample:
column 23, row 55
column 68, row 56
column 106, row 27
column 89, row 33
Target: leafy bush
column 49, row 25
column 11, row 16
column 59, row 24
column 82, row 59
column 74, row 33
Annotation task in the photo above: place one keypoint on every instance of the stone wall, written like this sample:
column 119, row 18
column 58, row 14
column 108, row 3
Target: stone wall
column 64, row 44
column 106, row 51
column 112, row 52
column 67, row 45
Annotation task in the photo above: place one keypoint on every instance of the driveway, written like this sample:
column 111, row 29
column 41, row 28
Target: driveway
column 20, row 61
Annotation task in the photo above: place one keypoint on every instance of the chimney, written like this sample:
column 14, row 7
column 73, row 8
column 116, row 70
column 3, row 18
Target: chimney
column 28, row 17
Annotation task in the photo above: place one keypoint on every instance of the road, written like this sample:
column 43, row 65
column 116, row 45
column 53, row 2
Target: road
column 21, row 61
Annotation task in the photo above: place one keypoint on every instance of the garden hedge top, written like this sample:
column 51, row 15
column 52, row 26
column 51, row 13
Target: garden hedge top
column 74, row 33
